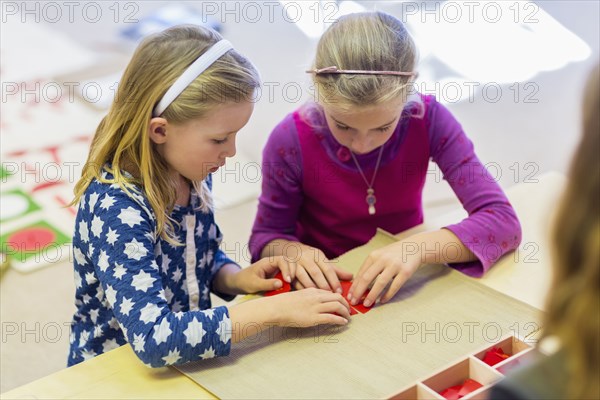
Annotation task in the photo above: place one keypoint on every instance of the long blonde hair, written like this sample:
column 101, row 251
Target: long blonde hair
column 364, row 41
column 574, row 300
column 121, row 143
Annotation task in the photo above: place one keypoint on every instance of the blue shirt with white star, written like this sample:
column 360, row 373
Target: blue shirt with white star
column 133, row 286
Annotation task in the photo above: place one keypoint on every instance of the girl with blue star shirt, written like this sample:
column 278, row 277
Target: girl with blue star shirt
column 146, row 246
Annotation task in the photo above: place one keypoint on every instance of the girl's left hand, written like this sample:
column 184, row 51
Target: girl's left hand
column 389, row 265
column 258, row 276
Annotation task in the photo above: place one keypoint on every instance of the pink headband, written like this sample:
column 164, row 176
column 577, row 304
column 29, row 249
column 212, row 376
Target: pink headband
column 335, row 70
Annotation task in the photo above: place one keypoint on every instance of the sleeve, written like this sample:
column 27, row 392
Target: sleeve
column 281, row 197
column 492, row 228
column 132, row 284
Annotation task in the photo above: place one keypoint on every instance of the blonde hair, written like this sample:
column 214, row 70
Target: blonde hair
column 365, row 41
column 574, row 304
column 121, row 143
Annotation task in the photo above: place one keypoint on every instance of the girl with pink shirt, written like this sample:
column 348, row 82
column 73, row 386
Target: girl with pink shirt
column 356, row 159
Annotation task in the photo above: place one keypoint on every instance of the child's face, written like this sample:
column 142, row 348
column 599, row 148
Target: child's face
column 363, row 129
column 200, row 146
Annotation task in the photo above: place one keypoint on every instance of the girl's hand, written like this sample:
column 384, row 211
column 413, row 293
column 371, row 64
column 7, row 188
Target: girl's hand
column 300, row 309
column 312, row 269
column 258, row 277
column 309, row 307
column 386, row 266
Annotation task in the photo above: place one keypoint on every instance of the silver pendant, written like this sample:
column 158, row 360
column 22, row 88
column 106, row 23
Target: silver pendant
column 371, row 201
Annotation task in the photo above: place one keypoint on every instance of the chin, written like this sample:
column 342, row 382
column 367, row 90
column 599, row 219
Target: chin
column 197, row 177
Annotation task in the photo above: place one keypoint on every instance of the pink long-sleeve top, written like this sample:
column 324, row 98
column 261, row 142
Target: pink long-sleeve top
column 312, row 191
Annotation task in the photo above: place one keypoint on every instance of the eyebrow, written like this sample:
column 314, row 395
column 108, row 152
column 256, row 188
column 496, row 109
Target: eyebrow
column 225, row 133
column 379, row 127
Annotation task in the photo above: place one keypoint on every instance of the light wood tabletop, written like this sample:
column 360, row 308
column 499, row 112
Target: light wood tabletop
column 524, row 275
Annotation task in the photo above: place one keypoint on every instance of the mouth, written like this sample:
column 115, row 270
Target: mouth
column 215, row 169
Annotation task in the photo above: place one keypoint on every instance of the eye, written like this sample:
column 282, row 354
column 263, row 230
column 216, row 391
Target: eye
column 342, row 127
column 384, row 129
column 217, row 141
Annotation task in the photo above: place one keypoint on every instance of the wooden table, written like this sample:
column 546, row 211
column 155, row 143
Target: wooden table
column 524, row 275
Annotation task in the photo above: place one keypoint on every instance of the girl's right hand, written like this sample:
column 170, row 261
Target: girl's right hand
column 312, row 269
column 309, row 307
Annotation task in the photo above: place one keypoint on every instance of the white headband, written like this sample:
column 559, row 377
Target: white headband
column 191, row 73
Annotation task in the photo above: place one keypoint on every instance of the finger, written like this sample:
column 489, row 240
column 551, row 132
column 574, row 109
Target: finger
column 298, row 285
column 342, row 274
column 378, row 286
column 264, row 285
column 293, row 265
column 330, row 297
column 397, row 283
column 331, row 275
column 335, row 307
column 362, row 284
column 316, row 274
column 359, row 275
column 331, row 319
column 271, row 265
column 303, row 277
column 283, row 266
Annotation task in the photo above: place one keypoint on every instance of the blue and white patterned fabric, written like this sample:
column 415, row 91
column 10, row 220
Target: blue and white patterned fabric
column 132, row 286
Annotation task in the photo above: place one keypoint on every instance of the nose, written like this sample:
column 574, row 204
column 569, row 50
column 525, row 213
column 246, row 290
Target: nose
column 360, row 146
column 231, row 149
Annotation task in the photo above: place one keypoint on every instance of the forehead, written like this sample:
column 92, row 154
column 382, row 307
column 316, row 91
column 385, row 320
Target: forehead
column 228, row 117
column 373, row 114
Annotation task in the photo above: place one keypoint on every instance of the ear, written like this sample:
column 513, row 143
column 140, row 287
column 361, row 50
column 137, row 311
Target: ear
column 157, row 130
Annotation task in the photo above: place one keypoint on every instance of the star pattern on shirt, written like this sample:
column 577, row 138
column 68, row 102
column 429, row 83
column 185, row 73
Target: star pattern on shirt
column 111, row 294
column 90, row 252
column 135, row 250
column 94, row 314
column 138, row 343
column 98, row 331
column 132, row 284
column 212, row 231
column 111, row 236
column 172, row 357
column 150, row 313
column 119, row 271
column 113, row 323
column 162, row 332
column 88, row 354
column 199, row 229
column 130, row 216
column 107, row 202
column 79, row 256
column 194, row 332
column 109, row 344
column 84, row 337
column 78, row 280
column 126, row 306
column 177, row 274
column 97, row 225
column 209, row 353
column 90, row 278
column 142, row 281
column 84, row 233
column 103, row 261
column 165, row 263
column 93, row 200
column 224, row 329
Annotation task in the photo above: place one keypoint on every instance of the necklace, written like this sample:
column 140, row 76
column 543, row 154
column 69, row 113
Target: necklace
column 370, row 199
